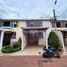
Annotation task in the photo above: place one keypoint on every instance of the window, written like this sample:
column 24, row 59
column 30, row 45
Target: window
column 0, row 24
column 13, row 35
column 6, row 23
column 15, row 24
column 58, row 24
column 33, row 23
column 66, row 24
column 40, row 34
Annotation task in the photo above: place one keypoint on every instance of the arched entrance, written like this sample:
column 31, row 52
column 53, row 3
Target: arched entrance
column 58, row 33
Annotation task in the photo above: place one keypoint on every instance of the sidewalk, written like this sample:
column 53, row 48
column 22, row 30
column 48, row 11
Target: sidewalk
column 32, row 61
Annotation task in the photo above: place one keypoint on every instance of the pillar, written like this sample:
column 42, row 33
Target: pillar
column 1, row 40
column 46, row 40
column 44, row 37
column 22, row 41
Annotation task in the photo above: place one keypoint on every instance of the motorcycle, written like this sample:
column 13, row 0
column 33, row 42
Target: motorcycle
column 50, row 52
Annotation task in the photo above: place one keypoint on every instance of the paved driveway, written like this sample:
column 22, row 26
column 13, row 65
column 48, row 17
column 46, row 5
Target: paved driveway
column 32, row 61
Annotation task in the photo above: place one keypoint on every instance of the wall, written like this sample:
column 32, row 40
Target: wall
column 47, row 24
column 60, row 36
column 18, row 34
column 21, row 23
column 42, row 41
column 24, row 41
column 1, row 39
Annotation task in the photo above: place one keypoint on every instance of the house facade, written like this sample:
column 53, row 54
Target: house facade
column 32, row 32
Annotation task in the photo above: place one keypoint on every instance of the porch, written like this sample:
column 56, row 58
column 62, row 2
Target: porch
column 34, row 37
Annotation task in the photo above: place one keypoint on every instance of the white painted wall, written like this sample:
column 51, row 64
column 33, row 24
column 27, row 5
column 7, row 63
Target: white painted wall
column 25, row 41
column 47, row 24
column 60, row 36
column 1, row 40
column 19, row 34
column 21, row 23
column 42, row 41
column 58, row 33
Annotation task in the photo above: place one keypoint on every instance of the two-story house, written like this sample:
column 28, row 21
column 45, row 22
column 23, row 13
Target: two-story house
column 32, row 32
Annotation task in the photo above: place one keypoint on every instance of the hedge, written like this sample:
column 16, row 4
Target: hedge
column 53, row 41
column 14, row 48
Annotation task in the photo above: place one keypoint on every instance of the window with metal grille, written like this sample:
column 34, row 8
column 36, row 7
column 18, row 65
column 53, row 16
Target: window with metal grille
column 66, row 25
column 6, row 23
column 33, row 23
column 40, row 34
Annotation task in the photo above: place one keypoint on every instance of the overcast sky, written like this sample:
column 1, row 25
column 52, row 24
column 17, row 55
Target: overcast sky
column 32, row 9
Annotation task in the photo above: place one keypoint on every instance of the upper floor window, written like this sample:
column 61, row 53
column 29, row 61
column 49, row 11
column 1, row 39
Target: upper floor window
column 9, row 24
column 33, row 23
column 15, row 24
column 58, row 24
column 6, row 23
column 66, row 24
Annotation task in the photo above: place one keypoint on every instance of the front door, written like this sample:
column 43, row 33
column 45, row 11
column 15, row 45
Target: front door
column 7, row 38
column 32, row 39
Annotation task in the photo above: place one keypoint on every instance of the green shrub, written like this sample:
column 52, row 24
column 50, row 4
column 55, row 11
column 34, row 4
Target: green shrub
column 53, row 41
column 14, row 48
column 11, row 49
column 16, row 44
column 7, row 49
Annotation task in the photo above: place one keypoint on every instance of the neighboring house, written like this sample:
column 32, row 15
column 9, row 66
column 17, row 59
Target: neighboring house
column 32, row 32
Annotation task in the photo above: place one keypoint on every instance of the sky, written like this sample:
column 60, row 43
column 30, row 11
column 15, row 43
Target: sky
column 32, row 9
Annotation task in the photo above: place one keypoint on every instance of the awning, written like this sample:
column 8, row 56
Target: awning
column 33, row 29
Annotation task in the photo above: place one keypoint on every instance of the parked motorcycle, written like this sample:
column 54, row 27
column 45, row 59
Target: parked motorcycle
column 50, row 52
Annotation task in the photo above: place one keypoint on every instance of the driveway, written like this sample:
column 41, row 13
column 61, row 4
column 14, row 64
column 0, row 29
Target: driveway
column 32, row 61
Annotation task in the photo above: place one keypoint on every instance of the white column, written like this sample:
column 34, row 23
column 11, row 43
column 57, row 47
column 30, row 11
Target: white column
column 44, row 37
column 1, row 41
column 46, row 40
column 22, row 41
